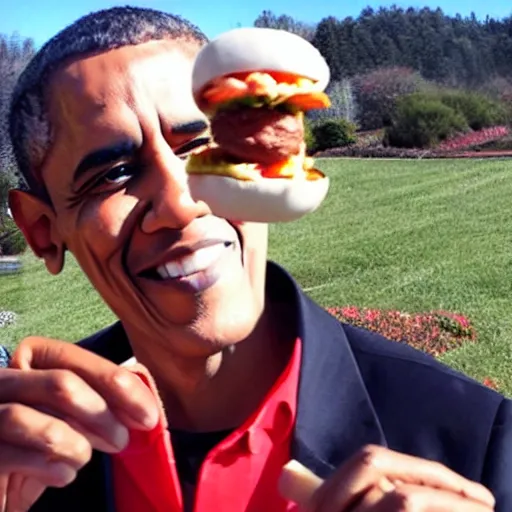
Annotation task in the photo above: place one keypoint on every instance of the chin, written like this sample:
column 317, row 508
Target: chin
column 232, row 318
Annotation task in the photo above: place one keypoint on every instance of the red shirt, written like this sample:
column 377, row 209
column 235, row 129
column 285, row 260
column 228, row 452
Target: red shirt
column 239, row 475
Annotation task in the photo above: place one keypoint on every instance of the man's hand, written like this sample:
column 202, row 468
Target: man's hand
column 58, row 402
column 379, row 480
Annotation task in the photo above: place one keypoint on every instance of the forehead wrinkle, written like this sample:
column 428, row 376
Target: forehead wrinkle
column 169, row 91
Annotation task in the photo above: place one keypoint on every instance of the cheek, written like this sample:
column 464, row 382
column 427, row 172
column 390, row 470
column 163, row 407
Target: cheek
column 101, row 223
column 254, row 245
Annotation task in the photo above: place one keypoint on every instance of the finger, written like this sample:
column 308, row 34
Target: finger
column 25, row 429
column 375, row 460
column 52, row 473
column 63, row 394
column 125, row 393
column 23, row 492
column 344, row 490
column 416, row 498
column 298, row 484
column 4, row 483
column 373, row 496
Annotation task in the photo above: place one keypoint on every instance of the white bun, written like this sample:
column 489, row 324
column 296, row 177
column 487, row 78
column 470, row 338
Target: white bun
column 266, row 200
column 254, row 48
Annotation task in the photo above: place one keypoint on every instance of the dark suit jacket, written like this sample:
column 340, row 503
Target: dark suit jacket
column 355, row 388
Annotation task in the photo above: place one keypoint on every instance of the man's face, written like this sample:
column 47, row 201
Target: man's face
column 170, row 270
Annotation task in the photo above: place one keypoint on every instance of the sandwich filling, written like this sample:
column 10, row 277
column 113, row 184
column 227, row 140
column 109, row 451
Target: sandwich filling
column 257, row 123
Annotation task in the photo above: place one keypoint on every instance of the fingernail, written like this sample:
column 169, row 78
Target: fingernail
column 386, row 486
column 120, row 437
column 62, row 473
column 146, row 415
column 149, row 418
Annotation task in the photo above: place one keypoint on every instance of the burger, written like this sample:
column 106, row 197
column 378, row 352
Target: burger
column 254, row 85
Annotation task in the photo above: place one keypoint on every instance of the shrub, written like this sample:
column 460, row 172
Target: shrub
column 500, row 90
column 478, row 109
column 309, row 136
column 333, row 133
column 422, row 121
column 376, row 94
column 12, row 241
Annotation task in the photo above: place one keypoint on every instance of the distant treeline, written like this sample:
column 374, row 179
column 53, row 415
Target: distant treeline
column 454, row 51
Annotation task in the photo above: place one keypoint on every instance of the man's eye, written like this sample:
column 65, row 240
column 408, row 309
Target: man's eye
column 184, row 150
column 119, row 174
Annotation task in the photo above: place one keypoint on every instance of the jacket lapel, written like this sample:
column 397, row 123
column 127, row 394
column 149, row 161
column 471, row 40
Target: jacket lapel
column 335, row 416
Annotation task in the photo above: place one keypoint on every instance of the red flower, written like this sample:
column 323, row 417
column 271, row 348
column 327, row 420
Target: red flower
column 490, row 383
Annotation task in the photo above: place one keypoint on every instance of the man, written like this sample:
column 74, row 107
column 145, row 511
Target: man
column 248, row 371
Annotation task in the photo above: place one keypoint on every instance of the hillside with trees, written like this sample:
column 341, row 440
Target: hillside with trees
column 419, row 76
column 455, row 51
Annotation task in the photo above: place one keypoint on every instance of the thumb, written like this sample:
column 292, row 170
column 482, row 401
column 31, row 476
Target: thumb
column 39, row 352
column 298, row 484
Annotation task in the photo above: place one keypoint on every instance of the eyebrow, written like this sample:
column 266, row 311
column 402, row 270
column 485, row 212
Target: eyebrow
column 191, row 127
column 104, row 156
column 108, row 155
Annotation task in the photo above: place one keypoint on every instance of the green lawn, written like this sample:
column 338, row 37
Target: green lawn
column 409, row 235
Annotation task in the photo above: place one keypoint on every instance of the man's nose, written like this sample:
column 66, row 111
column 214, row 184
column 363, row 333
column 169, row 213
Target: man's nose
column 171, row 204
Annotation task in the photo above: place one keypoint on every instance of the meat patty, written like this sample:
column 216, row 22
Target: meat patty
column 258, row 134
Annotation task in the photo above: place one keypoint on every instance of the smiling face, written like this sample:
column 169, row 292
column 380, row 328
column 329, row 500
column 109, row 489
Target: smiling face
column 172, row 272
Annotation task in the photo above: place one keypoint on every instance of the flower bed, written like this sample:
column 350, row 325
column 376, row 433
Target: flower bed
column 375, row 152
column 474, row 139
column 435, row 332
column 370, row 145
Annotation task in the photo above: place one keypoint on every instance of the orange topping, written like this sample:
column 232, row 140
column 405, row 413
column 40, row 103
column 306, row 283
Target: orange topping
column 225, row 89
column 279, row 170
column 309, row 100
column 313, row 174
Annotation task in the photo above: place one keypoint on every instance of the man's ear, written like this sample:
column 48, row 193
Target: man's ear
column 36, row 220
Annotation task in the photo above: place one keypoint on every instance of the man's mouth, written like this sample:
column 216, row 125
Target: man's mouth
column 184, row 264
column 198, row 261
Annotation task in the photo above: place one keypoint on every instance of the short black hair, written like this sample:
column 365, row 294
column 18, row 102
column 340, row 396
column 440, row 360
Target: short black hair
column 29, row 126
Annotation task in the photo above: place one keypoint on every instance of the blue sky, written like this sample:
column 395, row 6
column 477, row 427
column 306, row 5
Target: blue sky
column 41, row 19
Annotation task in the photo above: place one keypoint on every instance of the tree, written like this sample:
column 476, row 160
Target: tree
column 343, row 105
column 327, row 41
column 267, row 19
column 376, row 93
column 7, row 181
column 15, row 52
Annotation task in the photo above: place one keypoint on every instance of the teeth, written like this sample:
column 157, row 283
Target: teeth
column 199, row 260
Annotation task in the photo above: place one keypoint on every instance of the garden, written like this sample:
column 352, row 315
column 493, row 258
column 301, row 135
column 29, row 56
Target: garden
column 395, row 113
column 416, row 250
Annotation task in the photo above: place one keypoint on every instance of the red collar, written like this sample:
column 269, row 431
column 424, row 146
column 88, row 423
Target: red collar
column 145, row 471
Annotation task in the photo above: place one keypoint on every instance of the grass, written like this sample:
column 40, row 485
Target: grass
column 64, row 306
column 395, row 234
